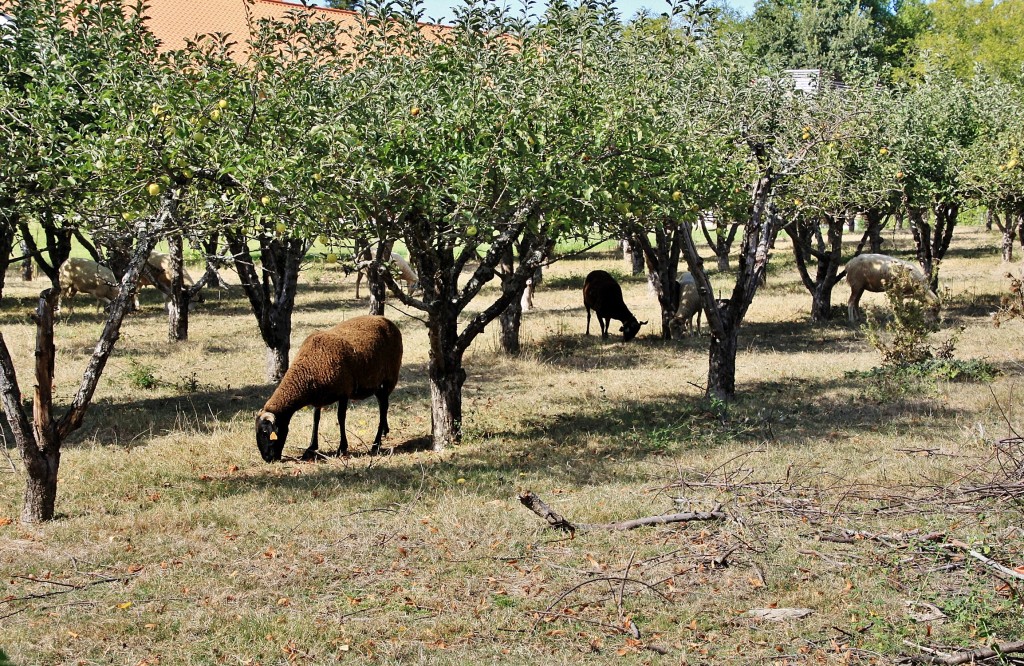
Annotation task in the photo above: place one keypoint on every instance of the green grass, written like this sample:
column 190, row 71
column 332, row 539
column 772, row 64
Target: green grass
column 181, row 545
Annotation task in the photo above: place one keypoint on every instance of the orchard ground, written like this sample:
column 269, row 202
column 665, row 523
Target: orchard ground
column 176, row 544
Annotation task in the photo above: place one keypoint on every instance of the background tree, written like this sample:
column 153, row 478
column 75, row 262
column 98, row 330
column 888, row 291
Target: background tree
column 964, row 33
column 109, row 42
column 517, row 104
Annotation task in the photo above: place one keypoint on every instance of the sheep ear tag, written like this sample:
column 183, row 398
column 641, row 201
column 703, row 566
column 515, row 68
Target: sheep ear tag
column 273, row 436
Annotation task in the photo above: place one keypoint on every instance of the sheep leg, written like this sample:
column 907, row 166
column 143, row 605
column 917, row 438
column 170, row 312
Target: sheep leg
column 343, row 442
column 314, row 443
column 382, row 425
column 605, row 323
column 853, row 307
column 588, row 321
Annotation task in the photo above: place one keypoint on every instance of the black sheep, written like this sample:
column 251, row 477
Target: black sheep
column 603, row 295
column 351, row 361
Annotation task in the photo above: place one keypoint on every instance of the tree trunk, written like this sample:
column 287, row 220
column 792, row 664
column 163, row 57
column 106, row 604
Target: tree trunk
column 723, row 262
column 6, row 247
column 511, row 317
column 180, row 297
column 821, row 302
column 634, row 255
column 1013, row 224
column 57, row 249
column 851, row 222
column 662, row 259
column 446, row 376
column 375, row 277
column 271, row 293
column 722, row 365
column 27, row 272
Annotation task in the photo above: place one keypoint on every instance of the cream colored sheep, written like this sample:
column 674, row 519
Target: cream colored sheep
column 689, row 305
column 876, row 272
column 87, row 277
column 160, row 265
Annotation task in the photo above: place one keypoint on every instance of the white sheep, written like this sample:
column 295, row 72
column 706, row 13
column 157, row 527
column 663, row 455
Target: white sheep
column 87, row 277
column 876, row 272
column 412, row 281
column 351, row 361
column 689, row 305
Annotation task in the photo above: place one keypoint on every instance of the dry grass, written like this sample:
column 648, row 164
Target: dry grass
column 185, row 548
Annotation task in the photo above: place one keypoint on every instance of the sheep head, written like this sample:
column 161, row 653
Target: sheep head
column 270, row 436
column 630, row 329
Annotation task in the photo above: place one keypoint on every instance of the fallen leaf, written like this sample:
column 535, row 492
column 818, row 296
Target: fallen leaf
column 125, row 606
column 4, row 522
column 779, row 614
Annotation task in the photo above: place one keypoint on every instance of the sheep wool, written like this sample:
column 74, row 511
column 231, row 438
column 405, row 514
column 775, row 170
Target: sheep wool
column 351, row 361
column 603, row 295
column 875, row 272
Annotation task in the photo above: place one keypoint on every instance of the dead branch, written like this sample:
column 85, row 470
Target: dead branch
column 534, row 503
column 967, row 657
column 987, row 561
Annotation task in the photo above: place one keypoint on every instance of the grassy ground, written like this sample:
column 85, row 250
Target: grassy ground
column 176, row 544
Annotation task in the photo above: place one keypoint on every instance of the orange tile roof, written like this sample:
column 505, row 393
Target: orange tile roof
column 175, row 21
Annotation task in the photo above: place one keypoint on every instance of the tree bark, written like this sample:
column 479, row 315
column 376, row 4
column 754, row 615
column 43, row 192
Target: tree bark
column 39, row 445
column 447, row 377
column 511, row 317
column 722, row 364
column 271, row 292
column 56, row 251
column 933, row 240
column 380, row 264
column 725, row 317
column 6, row 247
column 809, row 245
column 662, row 259
column 1009, row 232
column 634, row 255
column 180, row 297
column 27, row 272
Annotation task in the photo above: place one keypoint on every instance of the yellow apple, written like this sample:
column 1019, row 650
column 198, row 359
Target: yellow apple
column 126, row 216
column 677, row 195
column 222, row 104
column 414, row 111
column 471, row 230
column 215, row 115
column 265, row 200
column 1011, row 164
column 806, row 136
column 281, row 227
column 332, row 258
column 318, row 177
column 154, row 189
column 883, row 151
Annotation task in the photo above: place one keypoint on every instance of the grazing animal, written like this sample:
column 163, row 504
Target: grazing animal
column 160, row 265
column 875, row 272
column 689, row 305
column 603, row 295
column 87, row 277
column 351, row 361
column 412, row 281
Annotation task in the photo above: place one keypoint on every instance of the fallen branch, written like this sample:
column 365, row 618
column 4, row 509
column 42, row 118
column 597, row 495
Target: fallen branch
column 968, row 657
column 530, row 500
column 987, row 561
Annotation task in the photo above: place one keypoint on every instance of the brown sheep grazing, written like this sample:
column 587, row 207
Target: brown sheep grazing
column 87, row 277
column 875, row 272
column 351, row 361
column 603, row 295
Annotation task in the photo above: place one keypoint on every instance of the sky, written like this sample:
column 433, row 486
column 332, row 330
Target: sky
column 441, row 9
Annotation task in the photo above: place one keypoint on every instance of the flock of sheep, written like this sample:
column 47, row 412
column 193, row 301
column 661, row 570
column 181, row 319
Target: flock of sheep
column 363, row 356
